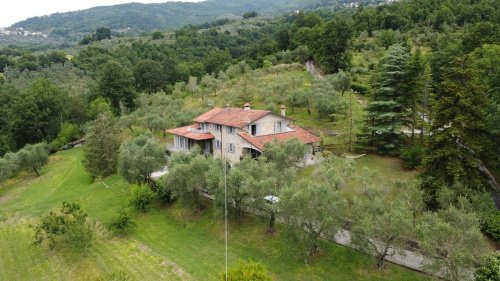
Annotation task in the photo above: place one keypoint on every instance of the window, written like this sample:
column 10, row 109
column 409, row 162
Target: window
column 278, row 127
column 230, row 130
column 230, row 147
column 218, row 144
column 204, row 127
column 218, row 127
column 181, row 143
column 253, row 129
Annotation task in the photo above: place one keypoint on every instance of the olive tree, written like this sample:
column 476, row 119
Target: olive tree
column 266, row 188
column 341, row 81
column 138, row 158
column 380, row 224
column 285, row 154
column 32, row 157
column 188, row 174
column 313, row 209
column 239, row 184
column 8, row 165
column 453, row 241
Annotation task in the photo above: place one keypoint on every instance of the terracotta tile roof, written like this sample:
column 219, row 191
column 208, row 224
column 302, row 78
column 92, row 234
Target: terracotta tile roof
column 190, row 133
column 298, row 133
column 207, row 115
column 235, row 117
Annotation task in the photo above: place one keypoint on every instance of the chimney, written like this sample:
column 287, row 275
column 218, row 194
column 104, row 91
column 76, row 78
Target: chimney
column 246, row 106
column 283, row 110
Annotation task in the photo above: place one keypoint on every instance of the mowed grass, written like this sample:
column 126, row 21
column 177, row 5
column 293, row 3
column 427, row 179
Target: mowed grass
column 169, row 243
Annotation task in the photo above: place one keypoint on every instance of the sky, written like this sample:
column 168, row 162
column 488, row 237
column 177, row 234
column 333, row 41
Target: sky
column 12, row 11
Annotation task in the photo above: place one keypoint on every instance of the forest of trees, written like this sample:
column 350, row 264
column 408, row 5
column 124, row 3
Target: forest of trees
column 427, row 71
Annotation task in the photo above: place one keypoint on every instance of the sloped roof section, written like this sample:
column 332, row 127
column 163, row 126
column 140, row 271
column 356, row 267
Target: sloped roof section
column 234, row 117
column 297, row 133
column 191, row 132
column 207, row 115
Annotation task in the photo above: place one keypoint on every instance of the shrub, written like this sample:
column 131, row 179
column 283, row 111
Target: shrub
column 142, row 197
column 68, row 224
column 156, row 35
column 121, row 223
column 360, row 88
column 69, row 132
column 251, row 14
column 491, row 225
column 489, row 270
column 247, row 270
column 412, row 156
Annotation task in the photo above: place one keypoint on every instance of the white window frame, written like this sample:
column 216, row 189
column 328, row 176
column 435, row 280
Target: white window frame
column 218, row 144
column 257, row 129
column 181, row 143
column 230, row 147
column 204, row 127
column 278, row 129
column 231, row 130
column 218, row 127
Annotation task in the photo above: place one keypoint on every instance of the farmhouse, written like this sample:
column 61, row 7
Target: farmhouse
column 239, row 132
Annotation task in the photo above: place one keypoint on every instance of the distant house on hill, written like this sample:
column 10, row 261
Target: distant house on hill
column 239, row 132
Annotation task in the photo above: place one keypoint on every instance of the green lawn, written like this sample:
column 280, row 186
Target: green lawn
column 168, row 243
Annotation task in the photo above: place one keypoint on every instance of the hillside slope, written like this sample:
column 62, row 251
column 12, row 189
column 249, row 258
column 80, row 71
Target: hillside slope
column 135, row 18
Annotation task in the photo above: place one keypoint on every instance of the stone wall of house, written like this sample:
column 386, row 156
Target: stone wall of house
column 226, row 138
column 267, row 122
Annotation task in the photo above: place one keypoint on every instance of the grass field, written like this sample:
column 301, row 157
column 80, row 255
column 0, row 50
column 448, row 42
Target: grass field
column 168, row 243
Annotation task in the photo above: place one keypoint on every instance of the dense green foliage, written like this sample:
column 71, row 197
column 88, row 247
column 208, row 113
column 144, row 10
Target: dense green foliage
column 385, row 110
column 426, row 74
column 316, row 208
column 115, row 82
column 460, row 141
column 136, row 18
column 491, row 225
column 99, row 34
column 102, row 146
column 456, row 233
column 29, row 158
column 489, row 269
column 142, row 197
column 138, row 158
column 122, row 223
column 188, row 174
column 379, row 225
column 247, row 270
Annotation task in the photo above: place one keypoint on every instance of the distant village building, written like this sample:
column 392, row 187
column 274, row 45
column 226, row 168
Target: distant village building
column 239, row 132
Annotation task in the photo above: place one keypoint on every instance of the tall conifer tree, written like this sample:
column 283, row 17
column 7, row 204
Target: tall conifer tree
column 385, row 112
column 459, row 143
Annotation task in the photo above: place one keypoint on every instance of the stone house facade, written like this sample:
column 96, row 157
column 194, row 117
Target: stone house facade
column 237, row 132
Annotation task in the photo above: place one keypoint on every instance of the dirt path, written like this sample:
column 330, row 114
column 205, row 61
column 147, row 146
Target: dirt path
column 311, row 68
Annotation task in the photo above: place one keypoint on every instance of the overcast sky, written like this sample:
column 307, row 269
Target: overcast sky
column 12, row 11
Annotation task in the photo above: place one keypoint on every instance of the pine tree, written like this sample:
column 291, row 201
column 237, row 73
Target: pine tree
column 459, row 144
column 417, row 85
column 385, row 112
